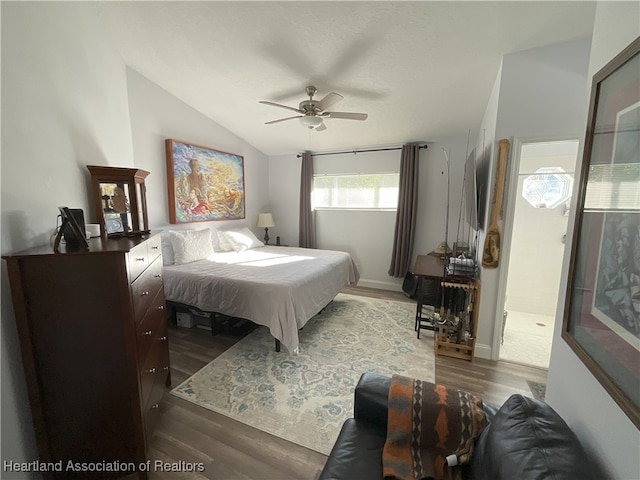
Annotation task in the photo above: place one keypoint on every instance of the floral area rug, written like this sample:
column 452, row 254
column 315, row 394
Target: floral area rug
column 305, row 398
column 538, row 390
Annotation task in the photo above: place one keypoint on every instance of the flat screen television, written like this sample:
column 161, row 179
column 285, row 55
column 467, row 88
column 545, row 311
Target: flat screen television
column 476, row 171
column 471, row 191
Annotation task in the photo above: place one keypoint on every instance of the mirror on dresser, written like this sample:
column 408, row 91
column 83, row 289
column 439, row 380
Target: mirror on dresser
column 120, row 200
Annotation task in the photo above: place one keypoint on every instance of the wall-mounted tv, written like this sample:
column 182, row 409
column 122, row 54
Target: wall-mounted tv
column 476, row 188
column 471, row 191
column 481, row 164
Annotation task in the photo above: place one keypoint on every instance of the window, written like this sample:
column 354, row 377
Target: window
column 613, row 187
column 371, row 191
column 547, row 188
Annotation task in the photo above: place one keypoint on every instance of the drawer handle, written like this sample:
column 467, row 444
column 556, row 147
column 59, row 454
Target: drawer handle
column 153, row 407
column 148, row 333
column 155, row 247
column 165, row 369
column 139, row 259
column 160, row 307
column 158, row 276
column 151, row 370
column 163, row 339
column 145, row 293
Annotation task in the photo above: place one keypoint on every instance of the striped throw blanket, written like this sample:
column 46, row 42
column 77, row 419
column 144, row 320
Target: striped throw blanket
column 426, row 424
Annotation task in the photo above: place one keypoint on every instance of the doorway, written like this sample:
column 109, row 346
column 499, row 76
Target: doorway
column 545, row 173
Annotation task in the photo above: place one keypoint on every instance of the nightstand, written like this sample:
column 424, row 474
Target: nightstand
column 277, row 244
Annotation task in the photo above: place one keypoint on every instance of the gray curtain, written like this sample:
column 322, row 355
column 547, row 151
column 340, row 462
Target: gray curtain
column 406, row 214
column 307, row 233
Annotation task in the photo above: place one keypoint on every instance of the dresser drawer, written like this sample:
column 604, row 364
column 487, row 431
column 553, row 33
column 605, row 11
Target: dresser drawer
column 145, row 289
column 154, row 370
column 138, row 260
column 151, row 411
column 154, row 247
column 152, row 329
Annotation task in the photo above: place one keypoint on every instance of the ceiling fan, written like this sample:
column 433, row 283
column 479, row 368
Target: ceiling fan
column 312, row 112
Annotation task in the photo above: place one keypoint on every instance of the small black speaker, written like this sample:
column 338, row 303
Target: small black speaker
column 68, row 234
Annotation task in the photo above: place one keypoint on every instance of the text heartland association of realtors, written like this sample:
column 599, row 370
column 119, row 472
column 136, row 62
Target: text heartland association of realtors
column 114, row 466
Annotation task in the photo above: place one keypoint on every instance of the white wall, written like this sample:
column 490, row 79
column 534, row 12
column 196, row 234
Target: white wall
column 571, row 389
column 155, row 116
column 541, row 95
column 485, row 167
column 284, row 194
column 64, row 105
column 69, row 101
column 368, row 236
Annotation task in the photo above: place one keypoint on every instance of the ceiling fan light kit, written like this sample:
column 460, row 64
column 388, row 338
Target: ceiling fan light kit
column 311, row 121
column 312, row 112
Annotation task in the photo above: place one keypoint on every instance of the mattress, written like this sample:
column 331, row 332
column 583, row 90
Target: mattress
column 279, row 287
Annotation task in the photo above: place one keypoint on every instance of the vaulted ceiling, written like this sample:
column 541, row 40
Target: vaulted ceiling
column 422, row 71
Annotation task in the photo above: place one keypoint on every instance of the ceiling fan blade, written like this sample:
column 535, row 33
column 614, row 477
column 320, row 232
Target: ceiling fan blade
column 282, row 119
column 321, row 127
column 346, row 115
column 330, row 98
column 281, row 106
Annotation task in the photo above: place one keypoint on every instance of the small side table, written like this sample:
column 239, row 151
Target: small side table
column 277, row 244
column 429, row 271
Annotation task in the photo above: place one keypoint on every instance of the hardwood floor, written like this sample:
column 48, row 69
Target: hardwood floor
column 230, row 450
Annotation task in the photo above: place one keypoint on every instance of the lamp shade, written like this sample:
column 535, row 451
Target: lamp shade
column 265, row 220
column 442, row 248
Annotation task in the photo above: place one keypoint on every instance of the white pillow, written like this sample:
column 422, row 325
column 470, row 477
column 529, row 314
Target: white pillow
column 167, row 249
column 241, row 239
column 223, row 244
column 191, row 245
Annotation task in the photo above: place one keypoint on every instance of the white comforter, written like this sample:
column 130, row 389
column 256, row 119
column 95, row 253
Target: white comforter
column 280, row 287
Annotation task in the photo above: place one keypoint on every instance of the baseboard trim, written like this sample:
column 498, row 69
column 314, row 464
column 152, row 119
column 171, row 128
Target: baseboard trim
column 380, row 285
column 483, row 351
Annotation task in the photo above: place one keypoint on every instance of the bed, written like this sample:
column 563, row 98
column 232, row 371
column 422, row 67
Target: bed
column 276, row 286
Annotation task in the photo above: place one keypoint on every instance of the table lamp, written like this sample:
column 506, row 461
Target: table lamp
column 265, row 220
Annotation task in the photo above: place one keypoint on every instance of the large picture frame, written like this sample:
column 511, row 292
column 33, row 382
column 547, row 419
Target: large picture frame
column 602, row 313
column 203, row 184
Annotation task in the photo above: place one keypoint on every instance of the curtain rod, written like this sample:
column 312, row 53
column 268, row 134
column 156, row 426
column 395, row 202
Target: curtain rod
column 360, row 151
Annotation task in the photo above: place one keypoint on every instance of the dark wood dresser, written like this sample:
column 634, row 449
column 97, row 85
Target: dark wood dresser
column 93, row 336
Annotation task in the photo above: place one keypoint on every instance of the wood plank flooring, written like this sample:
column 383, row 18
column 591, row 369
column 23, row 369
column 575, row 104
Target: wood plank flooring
column 231, row 450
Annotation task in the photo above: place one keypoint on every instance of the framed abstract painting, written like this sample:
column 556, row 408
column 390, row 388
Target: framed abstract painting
column 203, row 184
column 602, row 312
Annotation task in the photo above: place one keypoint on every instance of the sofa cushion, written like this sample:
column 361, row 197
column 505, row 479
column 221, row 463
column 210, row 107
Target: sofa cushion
column 371, row 399
column 357, row 453
column 527, row 439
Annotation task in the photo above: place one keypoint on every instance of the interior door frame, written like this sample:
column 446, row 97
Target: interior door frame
column 511, row 184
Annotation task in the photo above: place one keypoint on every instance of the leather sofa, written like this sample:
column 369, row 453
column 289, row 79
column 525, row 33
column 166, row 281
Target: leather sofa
column 523, row 439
